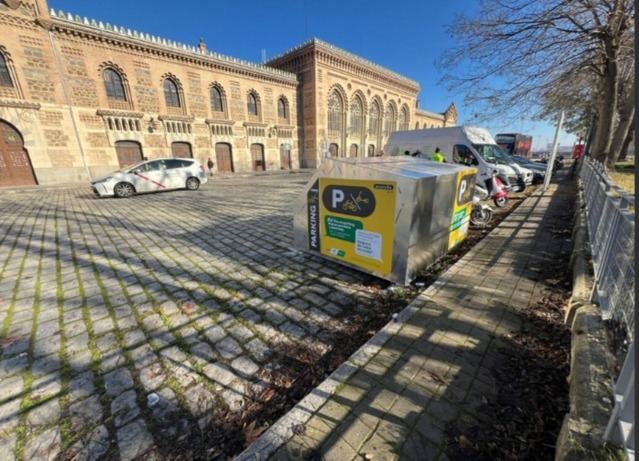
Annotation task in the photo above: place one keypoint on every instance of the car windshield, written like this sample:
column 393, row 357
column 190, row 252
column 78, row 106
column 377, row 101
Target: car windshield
column 129, row 169
column 492, row 154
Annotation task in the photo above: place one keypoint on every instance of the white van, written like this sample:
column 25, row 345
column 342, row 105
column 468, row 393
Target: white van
column 468, row 145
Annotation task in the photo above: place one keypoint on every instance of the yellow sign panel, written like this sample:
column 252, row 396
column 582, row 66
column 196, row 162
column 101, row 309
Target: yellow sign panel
column 355, row 221
column 462, row 206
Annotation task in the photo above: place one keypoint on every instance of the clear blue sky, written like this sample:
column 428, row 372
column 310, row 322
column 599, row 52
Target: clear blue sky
column 404, row 36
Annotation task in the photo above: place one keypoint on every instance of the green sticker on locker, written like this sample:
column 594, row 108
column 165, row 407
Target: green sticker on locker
column 342, row 228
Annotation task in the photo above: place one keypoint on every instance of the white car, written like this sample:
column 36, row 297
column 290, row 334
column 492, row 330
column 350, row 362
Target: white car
column 151, row 176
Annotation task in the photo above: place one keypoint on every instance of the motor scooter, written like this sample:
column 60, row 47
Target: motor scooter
column 480, row 214
column 496, row 190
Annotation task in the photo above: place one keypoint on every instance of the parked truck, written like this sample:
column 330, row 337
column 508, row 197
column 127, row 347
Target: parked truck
column 515, row 144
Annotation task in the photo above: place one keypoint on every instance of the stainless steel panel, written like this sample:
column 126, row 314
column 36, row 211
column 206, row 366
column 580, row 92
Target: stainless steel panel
column 423, row 211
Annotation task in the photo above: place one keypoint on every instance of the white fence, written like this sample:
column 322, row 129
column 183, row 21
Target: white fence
column 611, row 227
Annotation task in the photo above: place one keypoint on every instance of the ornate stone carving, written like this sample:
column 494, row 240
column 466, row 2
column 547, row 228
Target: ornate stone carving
column 118, row 113
column 19, row 104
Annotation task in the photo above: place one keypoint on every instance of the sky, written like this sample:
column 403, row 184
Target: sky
column 404, row 36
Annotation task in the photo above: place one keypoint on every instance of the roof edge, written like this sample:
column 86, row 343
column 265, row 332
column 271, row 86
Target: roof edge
column 171, row 45
column 347, row 54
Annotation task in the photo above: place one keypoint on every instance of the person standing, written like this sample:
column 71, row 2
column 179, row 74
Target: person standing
column 437, row 156
column 210, row 164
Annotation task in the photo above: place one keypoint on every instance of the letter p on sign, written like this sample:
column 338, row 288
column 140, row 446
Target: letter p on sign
column 462, row 188
column 338, row 197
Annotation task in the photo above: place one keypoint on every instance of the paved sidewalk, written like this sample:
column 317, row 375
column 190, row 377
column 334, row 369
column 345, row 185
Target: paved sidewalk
column 435, row 367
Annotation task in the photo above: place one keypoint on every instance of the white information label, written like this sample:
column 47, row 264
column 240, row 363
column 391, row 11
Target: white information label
column 368, row 244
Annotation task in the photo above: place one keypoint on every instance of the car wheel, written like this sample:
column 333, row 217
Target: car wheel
column 123, row 189
column 192, row 184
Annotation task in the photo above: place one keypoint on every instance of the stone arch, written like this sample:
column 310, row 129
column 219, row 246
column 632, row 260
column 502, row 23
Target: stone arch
column 253, row 95
column 8, row 59
column 281, row 99
column 220, row 89
column 180, row 89
column 362, row 97
column 357, row 114
column 404, row 117
column 336, row 114
column 123, row 77
column 376, row 120
column 341, row 91
column 16, row 168
column 390, row 118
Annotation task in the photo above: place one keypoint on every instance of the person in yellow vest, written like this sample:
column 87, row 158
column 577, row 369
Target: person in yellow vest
column 437, row 156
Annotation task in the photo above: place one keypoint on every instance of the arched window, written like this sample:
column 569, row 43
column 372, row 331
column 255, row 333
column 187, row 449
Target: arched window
column 282, row 109
column 403, row 119
column 391, row 120
column 417, row 126
column 217, row 104
column 5, row 76
column 335, row 110
column 356, row 116
column 252, row 106
column 171, row 94
column 113, row 84
column 373, row 118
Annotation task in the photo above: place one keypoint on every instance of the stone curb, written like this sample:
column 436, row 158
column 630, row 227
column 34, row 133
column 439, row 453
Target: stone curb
column 591, row 390
column 283, row 429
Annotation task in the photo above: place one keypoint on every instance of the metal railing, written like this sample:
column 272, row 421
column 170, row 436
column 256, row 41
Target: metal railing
column 611, row 226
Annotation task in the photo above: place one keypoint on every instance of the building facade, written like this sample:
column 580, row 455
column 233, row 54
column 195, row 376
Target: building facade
column 349, row 105
column 79, row 98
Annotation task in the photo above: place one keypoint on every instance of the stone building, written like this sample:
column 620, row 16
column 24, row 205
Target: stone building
column 349, row 105
column 79, row 98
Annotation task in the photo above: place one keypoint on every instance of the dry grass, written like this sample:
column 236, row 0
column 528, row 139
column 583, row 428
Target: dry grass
column 624, row 179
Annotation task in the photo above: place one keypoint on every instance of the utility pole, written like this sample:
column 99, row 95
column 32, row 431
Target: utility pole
column 553, row 154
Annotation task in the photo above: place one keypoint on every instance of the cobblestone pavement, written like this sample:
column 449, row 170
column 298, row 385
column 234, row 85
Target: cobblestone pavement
column 395, row 401
column 182, row 294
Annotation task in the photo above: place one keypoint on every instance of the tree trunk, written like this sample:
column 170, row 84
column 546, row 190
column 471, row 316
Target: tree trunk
column 626, row 117
column 591, row 135
column 607, row 103
column 628, row 140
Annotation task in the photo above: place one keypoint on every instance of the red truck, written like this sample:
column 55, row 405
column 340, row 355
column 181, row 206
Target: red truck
column 515, row 143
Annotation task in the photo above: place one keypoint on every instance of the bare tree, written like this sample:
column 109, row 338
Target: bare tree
column 624, row 126
column 537, row 57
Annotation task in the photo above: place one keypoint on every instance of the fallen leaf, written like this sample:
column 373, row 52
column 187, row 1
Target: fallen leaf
column 437, row 378
column 251, row 433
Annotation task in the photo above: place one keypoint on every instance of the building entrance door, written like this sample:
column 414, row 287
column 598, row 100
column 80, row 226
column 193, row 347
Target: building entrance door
column 224, row 157
column 285, row 156
column 129, row 153
column 257, row 155
column 181, row 150
column 15, row 164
